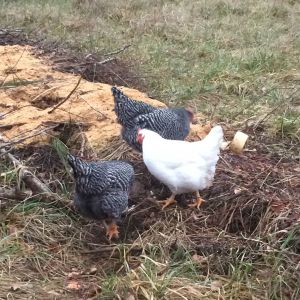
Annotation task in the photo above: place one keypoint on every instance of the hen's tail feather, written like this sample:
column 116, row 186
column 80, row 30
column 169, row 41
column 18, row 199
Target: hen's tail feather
column 127, row 109
column 78, row 165
column 117, row 92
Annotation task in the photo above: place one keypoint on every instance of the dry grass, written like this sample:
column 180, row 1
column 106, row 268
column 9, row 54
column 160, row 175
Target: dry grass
column 233, row 60
column 236, row 59
column 244, row 243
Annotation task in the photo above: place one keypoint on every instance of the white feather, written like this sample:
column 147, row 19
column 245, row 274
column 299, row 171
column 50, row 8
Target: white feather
column 182, row 166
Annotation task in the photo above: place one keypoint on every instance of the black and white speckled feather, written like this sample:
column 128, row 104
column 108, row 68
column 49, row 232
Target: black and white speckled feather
column 127, row 109
column 170, row 123
column 102, row 187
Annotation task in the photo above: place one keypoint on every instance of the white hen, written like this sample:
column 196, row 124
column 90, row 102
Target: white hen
column 182, row 166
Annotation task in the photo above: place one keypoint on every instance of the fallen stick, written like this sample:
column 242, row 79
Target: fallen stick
column 63, row 101
column 14, row 193
column 14, row 140
column 118, row 51
column 31, row 181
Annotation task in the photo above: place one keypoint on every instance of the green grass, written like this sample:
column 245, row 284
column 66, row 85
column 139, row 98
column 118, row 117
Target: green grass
column 233, row 59
column 240, row 50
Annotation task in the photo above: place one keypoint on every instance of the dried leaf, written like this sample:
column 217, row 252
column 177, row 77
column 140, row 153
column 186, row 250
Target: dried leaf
column 15, row 287
column 130, row 297
column 278, row 205
column 237, row 191
column 73, row 275
column 12, row 230
column 199, row 259
column 216, row 285
column 54, row 293
column 73, row 285
column 93, row 271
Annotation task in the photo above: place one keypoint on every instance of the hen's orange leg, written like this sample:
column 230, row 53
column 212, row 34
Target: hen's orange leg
column 111, row 230
column 198, row 201
column 168, row 201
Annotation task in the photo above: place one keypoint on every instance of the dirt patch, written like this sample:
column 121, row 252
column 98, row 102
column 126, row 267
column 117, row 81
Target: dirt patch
column 91, row 67
column 46, row 101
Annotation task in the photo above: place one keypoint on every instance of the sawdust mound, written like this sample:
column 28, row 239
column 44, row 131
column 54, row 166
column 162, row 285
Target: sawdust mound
column 31, row 88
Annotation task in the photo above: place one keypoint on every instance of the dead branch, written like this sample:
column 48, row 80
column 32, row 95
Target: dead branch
column 13, row 193
column 47, row 92
column 14, row 140
column 117, row 51
column 10, row 126
column 105, row 61
column 63, row 101
column 31, row 181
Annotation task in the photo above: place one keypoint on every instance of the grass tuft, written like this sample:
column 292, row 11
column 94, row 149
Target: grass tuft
column 235, row 61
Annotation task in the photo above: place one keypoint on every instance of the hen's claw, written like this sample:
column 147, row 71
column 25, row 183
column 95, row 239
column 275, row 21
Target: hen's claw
column 197, row 203
column 168, row 202
column 112, row 231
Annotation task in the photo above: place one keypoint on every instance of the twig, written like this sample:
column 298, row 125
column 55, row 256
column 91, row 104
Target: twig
column 32, row 182
column 274, row 109
column 13, row 67
column 63, row 101
column 20, row 140
column 273, row 167
column 47, row 91
column 117, row 51
column 13, row 110
column 36, row 186
column 105, row 61
column 10, row 126
column 266, row 115
column 66, row 111
column 101, row 113
column 111, row 70
column 58, row 123
column 14, row 193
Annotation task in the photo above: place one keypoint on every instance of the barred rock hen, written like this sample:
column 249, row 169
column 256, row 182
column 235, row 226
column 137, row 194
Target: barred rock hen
column 170, row 123
column 101, row 191
column 182, row 166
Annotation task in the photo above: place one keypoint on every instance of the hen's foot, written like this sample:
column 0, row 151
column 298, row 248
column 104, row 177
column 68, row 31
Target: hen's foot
column 197, row 203
column 167, row 202
column 112, row 231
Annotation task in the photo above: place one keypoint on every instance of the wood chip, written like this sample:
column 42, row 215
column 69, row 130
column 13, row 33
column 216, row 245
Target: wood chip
column 238, row 143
